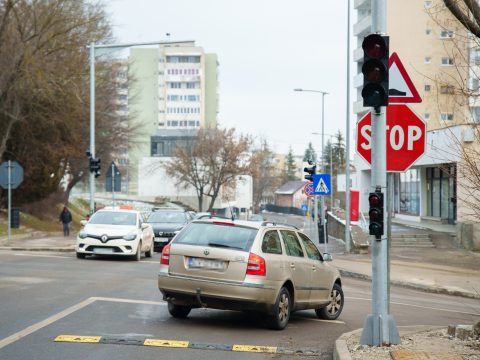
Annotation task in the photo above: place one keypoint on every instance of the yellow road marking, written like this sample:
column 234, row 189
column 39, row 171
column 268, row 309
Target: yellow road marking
column 166, row 343
column 78, row 339
column 255, row 348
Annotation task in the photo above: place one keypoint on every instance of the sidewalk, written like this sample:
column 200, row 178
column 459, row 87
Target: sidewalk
column 36, row 242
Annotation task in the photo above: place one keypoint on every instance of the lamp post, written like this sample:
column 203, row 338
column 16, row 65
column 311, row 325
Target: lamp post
column 92, row 47
column 347, row 142
column 322, row 202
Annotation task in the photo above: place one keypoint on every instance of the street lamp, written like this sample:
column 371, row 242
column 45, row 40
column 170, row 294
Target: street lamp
column 92, row 48
column 322, row 205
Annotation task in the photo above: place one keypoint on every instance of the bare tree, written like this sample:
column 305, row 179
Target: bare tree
column 214, row 160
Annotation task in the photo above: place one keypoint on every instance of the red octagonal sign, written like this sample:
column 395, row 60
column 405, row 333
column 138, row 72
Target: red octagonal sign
column 406, row 137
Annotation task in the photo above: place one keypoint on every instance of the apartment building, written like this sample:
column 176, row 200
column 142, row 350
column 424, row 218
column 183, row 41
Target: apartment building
column 437, row 53
column 172, row 87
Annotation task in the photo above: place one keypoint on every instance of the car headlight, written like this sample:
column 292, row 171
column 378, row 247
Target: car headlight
column 82, row 234
column 131, row 236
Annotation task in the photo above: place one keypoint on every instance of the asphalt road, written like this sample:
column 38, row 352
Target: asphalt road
column 44, row 295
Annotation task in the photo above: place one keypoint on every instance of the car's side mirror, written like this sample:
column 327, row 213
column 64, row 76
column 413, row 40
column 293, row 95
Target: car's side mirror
column 327, row 257
column 83, row 222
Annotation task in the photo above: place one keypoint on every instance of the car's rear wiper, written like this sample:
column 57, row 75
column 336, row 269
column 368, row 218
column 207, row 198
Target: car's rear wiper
column 224, row 246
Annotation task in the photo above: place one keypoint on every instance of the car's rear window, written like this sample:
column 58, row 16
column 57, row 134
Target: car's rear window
column 217, row 235
column 167, row 217
column 114, row 218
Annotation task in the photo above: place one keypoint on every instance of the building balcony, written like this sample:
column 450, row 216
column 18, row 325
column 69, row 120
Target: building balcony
column 358, row 107
column 361, row 4
column 363, row 27
column 358, row 55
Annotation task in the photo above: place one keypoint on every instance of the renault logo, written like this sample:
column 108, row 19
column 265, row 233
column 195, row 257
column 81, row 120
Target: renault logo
column 206, row 252
column 104, row 238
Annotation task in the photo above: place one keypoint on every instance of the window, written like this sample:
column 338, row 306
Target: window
column 427, row 4
column 292, row 245
column 310, row 248
column 428, row 60
column 271, row 243
column 192, row 85
column 447, row 89
column 446, row 61
column 447, row 34
column 446, row 116
column 426, row 117
column 428, row 31
column 427, row 87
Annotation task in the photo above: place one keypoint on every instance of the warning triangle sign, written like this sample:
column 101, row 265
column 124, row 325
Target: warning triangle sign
column 401, row 88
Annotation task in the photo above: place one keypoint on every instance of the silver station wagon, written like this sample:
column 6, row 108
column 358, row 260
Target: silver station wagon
column 240, row 265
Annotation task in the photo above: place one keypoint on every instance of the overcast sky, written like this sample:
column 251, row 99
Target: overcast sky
column 265, row 48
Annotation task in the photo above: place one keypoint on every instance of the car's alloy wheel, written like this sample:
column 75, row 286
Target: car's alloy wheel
column 334, row 307
column 178, row 311
column 281, row 310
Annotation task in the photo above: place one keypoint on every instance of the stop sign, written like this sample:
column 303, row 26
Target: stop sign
column 406, row 137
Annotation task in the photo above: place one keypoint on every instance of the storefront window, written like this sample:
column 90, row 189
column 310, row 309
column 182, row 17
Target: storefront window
column 441, row 192
column 407, row 195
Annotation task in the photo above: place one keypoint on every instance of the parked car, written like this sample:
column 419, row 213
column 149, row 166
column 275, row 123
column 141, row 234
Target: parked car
column 115, row 232
column 243, row 265
column 166, row 224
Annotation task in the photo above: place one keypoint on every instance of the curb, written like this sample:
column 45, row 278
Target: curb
column 340, row 349
column 38, row 248
column 425, row 288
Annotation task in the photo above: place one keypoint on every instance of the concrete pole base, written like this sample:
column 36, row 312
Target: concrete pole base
column 373, row 334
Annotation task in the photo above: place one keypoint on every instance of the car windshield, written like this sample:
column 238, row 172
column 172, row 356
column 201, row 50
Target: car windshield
column 217, row 235
column 114, row 218
column 166, row 217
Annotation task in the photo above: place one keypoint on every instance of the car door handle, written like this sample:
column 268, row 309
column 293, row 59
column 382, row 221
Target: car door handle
column 292, row 266
column 314, row 268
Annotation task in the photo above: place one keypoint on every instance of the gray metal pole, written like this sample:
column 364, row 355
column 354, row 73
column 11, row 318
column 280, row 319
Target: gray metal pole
column 347, row 145
column 9, row 226
column 379, row 327
column 113, row 185
column 92, row 124
column 315, row 217
column 322, row 202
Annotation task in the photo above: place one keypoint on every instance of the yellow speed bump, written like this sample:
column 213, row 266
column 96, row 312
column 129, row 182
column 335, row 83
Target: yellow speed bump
column 78, row 339
column 166, row 343
column 255, row 348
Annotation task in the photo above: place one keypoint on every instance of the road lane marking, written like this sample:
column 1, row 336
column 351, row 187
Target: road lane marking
column 44, row 256
column 166, row 343
column 421, row 307
column 41, row 324
column 78, row 339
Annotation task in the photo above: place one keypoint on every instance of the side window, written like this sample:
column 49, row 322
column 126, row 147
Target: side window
column 271, row 243
column 292, row 245
column 310, row 248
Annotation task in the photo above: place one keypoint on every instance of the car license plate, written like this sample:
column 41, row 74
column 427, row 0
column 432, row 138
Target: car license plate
column 161, row 239
column 102, row 250
column 206, row 264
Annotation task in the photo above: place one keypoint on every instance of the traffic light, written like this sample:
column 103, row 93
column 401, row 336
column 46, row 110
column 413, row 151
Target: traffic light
column 310, row 170
column 375, row 201
column 375, row 70
column 95, row 166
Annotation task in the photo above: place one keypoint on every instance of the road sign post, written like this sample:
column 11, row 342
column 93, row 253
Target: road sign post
column 11, row 176
column 113, row 180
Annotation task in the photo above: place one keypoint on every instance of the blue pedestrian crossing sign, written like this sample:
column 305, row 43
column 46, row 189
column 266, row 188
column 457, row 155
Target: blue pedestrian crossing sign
column 322, row 184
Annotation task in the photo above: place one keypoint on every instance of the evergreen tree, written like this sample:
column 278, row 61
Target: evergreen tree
column 290, row 166
column 310, row 154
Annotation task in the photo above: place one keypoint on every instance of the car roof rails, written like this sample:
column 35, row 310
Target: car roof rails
column 265, row 223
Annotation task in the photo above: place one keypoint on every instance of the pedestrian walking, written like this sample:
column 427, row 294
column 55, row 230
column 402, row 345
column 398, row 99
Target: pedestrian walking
column 65, row 218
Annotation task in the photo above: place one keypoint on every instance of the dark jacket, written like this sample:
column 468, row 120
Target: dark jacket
column 65, row 217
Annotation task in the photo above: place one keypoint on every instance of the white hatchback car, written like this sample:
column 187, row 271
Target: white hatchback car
column 115, row 232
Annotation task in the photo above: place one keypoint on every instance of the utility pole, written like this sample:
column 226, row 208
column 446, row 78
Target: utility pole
column 379, row 327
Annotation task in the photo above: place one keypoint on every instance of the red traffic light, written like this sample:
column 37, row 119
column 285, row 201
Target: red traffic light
column 374, row 46
column 375, row 200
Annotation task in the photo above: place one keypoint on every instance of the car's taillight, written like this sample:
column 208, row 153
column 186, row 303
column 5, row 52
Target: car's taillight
column 165, row 257
column 256, row 265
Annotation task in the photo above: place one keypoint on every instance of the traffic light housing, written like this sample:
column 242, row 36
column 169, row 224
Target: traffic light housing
column 310, row 170
column 375, row 213
column 95, row 166
column 375, row 70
